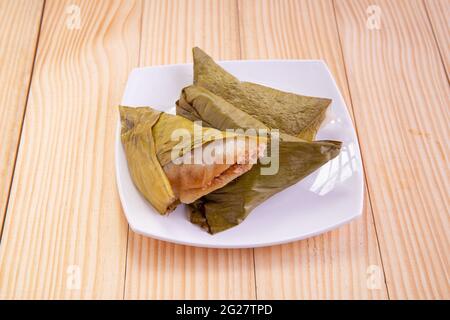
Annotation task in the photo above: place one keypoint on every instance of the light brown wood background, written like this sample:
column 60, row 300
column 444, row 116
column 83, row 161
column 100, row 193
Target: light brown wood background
column 63, row 233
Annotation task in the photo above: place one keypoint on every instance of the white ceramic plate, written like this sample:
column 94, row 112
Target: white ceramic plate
column 326, row 199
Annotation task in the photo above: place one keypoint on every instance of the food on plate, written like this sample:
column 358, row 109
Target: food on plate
column 230, row 205
column 253, row 141
column 166, row 168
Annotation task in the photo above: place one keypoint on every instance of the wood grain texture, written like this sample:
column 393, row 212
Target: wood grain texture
column 334, row 265
column 400, row 97
column 64, row 215
column 161, row 270
column 65, row 235
column 439, row 13
column 19, row 25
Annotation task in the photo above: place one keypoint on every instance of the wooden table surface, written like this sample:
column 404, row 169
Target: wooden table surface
column 64, row 65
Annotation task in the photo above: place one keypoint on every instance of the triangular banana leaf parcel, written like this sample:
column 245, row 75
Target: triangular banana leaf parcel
column 293, row 114
column 152, row 153
column 230, row 205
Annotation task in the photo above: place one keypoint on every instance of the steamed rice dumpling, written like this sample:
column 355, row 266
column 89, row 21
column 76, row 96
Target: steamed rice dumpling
column 165, row 167
column 293, row 114
column 230, row 205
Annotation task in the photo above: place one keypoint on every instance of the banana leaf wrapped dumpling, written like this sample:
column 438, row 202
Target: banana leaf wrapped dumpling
column 228, row 206
column 291, row 113
column 165, row 168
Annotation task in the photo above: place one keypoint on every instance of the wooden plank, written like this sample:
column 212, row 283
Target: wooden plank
column 400, row 97
column 161, row 270
column 65, row 235
column 338, row 264
column 439, row 13
column 19, row 25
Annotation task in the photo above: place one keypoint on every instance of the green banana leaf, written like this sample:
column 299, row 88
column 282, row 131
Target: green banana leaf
column 146, row 171
column 293, row 114
column 199, row 104
column 230, row 205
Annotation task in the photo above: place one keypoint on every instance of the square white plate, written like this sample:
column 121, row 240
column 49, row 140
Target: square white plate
column 326, row 199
